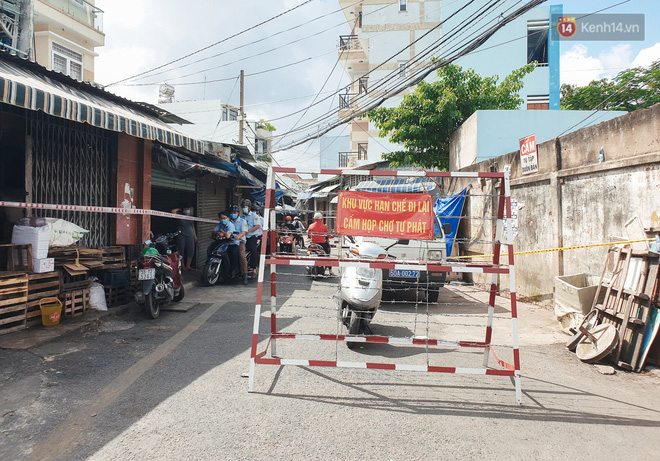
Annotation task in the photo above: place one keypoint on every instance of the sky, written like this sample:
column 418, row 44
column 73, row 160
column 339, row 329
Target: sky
column 291, row 61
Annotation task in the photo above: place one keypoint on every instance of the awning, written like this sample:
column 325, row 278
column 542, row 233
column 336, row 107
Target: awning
column 411, row 184
column 28, row 85
column 322, row 193
column 181, row 168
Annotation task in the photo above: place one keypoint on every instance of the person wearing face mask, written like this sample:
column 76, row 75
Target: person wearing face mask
column 186, row 239
column 254, row 224
column 240, row 232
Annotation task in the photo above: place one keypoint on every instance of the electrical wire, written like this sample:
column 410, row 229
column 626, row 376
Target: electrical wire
column 214, row 44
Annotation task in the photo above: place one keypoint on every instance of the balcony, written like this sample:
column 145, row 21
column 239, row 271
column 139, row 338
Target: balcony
column 80, row 10
column 344, row 157
column 351, row 50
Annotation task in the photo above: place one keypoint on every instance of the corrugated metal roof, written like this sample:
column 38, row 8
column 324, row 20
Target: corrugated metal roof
column 25, row 85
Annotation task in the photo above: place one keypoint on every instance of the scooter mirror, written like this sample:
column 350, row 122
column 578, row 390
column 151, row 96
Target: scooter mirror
column 446, row 228
column 147, row 242
column 403, row 242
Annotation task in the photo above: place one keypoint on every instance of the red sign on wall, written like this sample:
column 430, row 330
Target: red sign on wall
column 406, row 216
column 529, row 161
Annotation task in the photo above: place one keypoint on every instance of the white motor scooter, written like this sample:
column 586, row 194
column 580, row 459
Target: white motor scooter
column 360, row 290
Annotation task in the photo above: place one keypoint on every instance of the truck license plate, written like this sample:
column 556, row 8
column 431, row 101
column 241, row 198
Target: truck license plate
column 146, row 274
column 404, row 273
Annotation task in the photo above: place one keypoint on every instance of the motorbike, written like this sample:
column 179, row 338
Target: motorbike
column 217, row 268
column 360, row 291
column 287, row 242
column 160, row 274
column 316, row 250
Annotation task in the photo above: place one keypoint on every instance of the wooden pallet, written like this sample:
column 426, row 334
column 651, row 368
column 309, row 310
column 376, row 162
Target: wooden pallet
column 114, row 257
column 75, row 303
column 18, row 257
column 13, row 301
column 88, row 257
column 626, row 301
column 117, row 295
column 46, row 285
column 74, row 282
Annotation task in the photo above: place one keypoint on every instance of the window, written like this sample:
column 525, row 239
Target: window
column 225, row 114
column 260, row 146
column 67, row 62
column 362, row 150
column 359, row 20
column 403, row 5
column 537, row 42
column 402, row 69
column 343, row 159
column 362, row 85
column 233, row 115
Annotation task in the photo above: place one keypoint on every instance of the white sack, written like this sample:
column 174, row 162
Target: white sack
column 97, row 297
column 64, row 232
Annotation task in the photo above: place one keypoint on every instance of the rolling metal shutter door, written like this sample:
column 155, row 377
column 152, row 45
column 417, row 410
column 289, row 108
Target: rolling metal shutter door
column 161, row 179
column 211, row 199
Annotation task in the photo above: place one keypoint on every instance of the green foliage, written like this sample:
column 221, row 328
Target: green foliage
column 426, row 118
column 631, row 89
column 266, row 125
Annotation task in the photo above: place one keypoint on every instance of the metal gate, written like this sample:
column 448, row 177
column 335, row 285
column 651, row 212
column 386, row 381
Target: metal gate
column 211, row 199
column 72, row 166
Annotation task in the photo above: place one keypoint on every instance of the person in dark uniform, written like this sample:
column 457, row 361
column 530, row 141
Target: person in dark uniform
column 187, row 238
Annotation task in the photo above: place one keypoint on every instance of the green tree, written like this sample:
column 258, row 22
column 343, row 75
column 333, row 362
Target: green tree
column 427, row 117
column 266, row 125
column 631, row 89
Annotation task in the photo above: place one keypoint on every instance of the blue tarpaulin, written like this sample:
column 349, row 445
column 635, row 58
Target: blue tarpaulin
column 449, row 210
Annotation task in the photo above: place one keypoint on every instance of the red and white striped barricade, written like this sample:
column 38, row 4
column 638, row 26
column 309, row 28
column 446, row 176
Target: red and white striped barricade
column 265, row 342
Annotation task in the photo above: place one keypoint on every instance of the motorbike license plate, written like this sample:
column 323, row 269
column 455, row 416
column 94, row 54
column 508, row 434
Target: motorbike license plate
column 403, row 273
column 146, row 274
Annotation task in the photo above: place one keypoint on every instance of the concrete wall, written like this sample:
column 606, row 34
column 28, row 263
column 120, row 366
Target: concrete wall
column 573, row 200
column 489, row 133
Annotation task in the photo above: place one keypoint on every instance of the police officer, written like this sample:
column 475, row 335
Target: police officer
column 240, row 233
column 255, row 231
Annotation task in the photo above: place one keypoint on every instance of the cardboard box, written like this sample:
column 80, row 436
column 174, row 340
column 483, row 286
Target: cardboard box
column 43, row 265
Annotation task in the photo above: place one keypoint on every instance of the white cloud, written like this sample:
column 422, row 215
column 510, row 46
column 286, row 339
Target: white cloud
column 578, row 68
column 647, row 56
column 616, row 59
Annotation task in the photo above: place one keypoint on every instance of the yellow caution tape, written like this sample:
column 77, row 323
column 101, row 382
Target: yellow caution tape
column 549, row 250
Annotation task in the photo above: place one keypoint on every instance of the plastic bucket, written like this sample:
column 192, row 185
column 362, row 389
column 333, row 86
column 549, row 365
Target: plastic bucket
column 51, row 311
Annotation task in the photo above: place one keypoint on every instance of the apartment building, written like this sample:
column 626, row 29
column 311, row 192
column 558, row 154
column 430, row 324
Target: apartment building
column 390, row 40
column 65, row 33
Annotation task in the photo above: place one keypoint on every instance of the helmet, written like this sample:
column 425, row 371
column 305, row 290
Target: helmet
column 297, row 218
column 246, row 203
column 149, row 251
column 235, row 208
column 318, row 215
column 288, row 218
column 255, row 207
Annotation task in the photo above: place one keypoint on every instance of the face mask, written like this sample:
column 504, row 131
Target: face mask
column 233, row 216
column 246, row 210
column 223, row 222
column 186, row 211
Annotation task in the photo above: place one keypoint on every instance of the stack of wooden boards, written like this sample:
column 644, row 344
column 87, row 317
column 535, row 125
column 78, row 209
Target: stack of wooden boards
column 21, row 289
column 624, row 300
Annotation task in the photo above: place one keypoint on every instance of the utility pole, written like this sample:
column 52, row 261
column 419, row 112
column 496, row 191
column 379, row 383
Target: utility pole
column 26, row 29
column 242, row 114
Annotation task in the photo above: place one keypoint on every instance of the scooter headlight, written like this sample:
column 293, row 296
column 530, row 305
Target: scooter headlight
column 434, row 254
column 366, row 272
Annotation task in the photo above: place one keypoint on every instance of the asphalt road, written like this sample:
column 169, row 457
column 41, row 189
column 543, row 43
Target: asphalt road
column 127, row 387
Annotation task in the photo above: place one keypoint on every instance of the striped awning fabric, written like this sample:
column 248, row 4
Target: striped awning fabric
column 397, row 185
column 29, row 89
